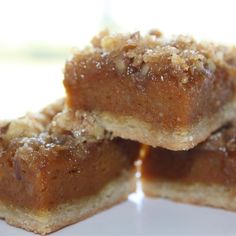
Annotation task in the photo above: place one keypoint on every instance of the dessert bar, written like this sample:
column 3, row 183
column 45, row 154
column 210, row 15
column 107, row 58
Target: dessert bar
column 204, row 175
column 171, row 93
column 52, row 176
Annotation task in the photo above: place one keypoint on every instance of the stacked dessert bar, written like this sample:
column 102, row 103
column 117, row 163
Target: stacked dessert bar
column 178, row 96
column 52, row 175
column 77, row 157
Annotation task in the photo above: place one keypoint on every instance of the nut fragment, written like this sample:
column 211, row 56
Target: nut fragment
column 113, row 42
column 4, row 127
column 96, row 41
column 81, row 125
column 155, row 33
column 144, row 69
column 184, row 80
column 120, row 65
column 211, row 65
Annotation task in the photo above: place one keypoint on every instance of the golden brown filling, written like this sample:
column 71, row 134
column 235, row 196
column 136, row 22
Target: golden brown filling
column 147, row 77
column 212, row 162
column 44, row 171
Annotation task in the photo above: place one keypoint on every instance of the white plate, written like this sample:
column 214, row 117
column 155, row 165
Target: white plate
column 145, row 216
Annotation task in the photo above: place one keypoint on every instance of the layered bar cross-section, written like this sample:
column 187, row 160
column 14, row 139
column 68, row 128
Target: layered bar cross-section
column 162, row 92
column 51, row 176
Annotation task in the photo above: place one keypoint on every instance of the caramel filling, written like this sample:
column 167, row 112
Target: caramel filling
column 212, row 162
column 42, row 172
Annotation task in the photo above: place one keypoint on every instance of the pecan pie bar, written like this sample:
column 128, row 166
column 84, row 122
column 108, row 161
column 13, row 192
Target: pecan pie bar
column 205, row 175
column 162, row 92
column 52, row 176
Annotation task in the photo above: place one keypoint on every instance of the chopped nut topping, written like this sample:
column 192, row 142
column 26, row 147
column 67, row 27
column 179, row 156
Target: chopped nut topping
column 185, row 54
column 120, row 65
column 79, row 124
column 54, row 127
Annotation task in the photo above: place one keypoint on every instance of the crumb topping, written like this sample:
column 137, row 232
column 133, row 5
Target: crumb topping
column 135, row 55
column 31, row 124
column 46, row 145
column 55, row 129
column 79, row 124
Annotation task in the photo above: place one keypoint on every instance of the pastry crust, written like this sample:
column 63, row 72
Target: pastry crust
column 214, row 195
column 130, row 128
